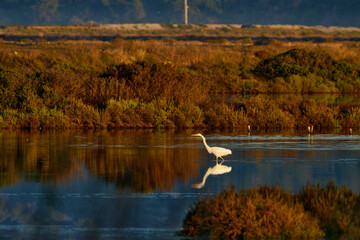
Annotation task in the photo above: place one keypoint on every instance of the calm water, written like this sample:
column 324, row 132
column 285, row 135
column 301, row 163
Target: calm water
column 139, row 184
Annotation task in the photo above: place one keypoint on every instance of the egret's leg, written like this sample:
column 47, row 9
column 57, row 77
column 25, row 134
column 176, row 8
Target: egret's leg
column 216, row 160
column 222, row 160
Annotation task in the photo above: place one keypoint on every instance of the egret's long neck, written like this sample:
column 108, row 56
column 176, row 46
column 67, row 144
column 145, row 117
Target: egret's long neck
column 207, row 146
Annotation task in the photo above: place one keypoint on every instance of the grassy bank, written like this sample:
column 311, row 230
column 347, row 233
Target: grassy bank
column 170, row 84
column 270, row 212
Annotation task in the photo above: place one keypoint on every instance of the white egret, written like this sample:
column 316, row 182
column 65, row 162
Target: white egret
column 219, row 152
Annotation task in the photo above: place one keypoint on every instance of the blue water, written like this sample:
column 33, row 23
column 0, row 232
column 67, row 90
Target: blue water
column 138, row 184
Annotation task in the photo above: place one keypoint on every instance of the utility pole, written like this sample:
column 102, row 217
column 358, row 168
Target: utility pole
column 186, row 12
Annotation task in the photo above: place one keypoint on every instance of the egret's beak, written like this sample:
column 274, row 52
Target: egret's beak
column 194, row 135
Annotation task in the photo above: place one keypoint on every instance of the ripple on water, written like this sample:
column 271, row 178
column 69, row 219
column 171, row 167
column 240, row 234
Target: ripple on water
column 56, row 231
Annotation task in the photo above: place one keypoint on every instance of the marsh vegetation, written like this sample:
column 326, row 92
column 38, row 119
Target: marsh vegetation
column 176, row 84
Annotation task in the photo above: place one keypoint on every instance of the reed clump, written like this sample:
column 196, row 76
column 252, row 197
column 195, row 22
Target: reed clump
column 270, row 212
column 337, row 208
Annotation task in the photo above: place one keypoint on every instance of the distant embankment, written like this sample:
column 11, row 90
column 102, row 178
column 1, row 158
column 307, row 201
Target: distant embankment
column 192, row 32
column 179, row 38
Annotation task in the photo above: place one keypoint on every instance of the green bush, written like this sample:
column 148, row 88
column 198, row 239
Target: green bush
column 52, row 119
column 295, row 62
column 162, row 113
column 82, row 115
column 188, row 116
column 252, row 86
column 126, row 113
column 310, row 71
column 10, row 118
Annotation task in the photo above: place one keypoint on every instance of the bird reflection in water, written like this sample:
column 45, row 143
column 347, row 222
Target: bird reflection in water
column 218, row 169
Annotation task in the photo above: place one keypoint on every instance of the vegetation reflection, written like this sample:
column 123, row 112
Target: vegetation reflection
column 156, row 164
column 36, row 157
column 142, row 161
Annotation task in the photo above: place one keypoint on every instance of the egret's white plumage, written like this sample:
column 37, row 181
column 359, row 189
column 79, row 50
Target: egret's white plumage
column 219, row 152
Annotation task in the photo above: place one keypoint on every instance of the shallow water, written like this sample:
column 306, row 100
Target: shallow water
column 139, row 184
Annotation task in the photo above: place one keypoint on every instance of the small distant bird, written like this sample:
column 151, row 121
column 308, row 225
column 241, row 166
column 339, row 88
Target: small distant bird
column 219, row 152
column 311, row 129
column 350, row 131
